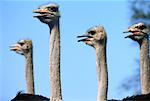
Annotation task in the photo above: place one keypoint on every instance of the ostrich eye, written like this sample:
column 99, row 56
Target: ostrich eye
column 142, row 27
column 53, row 9
column 21, row 43
column 92, row 32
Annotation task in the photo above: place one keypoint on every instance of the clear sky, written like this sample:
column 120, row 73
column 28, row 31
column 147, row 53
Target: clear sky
column 78, row 66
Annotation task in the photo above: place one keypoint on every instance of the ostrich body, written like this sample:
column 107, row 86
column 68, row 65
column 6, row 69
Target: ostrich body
column 24, row 47
column 97, row 38
column 140, row 34
column 29, row 97
column 49, row 14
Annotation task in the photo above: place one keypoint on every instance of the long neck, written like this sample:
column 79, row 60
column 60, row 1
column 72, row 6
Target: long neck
column 102, row 72
column 55, row 62
column 29, row 73
column 145, row 66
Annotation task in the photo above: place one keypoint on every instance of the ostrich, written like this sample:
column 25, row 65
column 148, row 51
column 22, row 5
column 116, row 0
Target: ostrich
column 29, row 97
column 24, row 47
column 49, row 14
column 140, row 34
column 97, row 38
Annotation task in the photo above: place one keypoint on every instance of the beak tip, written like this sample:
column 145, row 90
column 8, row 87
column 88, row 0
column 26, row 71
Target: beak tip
column 11, row 46
column 127, row 36
column 34, row 11
column 11, row 49
column 125, row 31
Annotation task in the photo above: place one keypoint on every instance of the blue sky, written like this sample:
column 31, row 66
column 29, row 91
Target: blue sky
column 78, row 66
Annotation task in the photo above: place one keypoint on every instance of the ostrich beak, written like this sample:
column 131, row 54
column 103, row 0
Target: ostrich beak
column 134, row 32
column 36, row 11
column 85, row 39
column 128, row 36
column 83, row 36
column 126, row 31
column 42, row 12
column 14, row 47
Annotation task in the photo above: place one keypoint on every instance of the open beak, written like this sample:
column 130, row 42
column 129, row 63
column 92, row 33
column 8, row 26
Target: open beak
column 86, row 38
column 41, row 12
column 134, row 32
column 15, row 47
column 129, row 31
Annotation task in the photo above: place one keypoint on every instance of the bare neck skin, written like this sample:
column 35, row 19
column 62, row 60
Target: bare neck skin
column 29, row 73
column 55, row 62
column 102, row 72
column 145, row 66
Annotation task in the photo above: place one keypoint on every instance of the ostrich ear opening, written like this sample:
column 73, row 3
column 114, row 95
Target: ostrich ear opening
column 102, row 36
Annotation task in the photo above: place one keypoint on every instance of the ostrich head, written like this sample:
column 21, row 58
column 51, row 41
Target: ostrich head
column 48, row 13
column 139, row 31
column 23, row 47
column 94, row 36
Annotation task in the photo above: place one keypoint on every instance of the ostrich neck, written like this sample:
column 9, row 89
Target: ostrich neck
column 102, row 72
column 145, row 66
column 55, row 62
column 29, row 73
